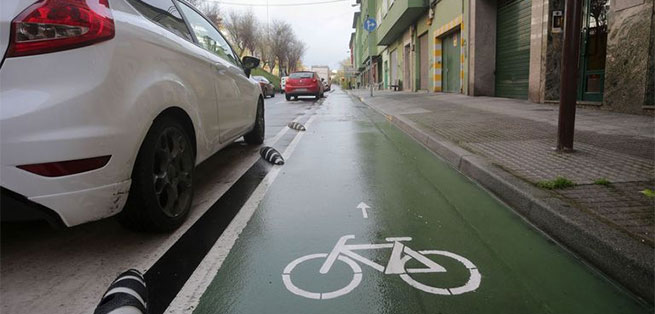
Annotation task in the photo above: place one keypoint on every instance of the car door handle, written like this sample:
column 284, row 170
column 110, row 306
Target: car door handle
column 220, row 67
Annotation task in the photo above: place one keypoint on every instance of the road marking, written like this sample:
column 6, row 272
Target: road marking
column 189, row 296
column 363, row 207
column 395, row 266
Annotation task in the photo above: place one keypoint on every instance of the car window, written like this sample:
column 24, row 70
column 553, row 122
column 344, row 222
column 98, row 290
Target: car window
column 208, row 36
column 164, row 13
column 301, row 75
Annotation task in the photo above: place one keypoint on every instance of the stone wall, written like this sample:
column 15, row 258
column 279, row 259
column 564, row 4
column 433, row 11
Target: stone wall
column 629, row 67
column 553, row 55
column 629, row 57
column 650, row 82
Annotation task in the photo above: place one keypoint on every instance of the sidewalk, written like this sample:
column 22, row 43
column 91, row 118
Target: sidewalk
column 507, row 145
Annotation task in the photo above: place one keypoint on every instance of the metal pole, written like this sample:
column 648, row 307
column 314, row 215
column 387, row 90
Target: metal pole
column 569, row 79
column 370, row 64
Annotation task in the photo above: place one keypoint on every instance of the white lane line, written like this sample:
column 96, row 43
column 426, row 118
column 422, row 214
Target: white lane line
column 188, row 297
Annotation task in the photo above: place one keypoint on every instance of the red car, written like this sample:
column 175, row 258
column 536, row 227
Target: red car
column 303, row 83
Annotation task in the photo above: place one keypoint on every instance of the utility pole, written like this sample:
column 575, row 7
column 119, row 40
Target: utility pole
column 370, row 65
column 568, row 90
column 369, row 25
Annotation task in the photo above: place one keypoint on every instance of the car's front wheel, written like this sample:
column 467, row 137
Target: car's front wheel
column 162, row 180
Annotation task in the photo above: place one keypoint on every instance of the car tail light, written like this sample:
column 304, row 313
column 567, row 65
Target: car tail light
column 55, row 25
column 64, row 168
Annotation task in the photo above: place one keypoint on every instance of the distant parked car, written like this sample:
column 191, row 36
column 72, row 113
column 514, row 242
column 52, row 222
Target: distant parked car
column 326, row 85
column 303, row 83
column 283, row 82
column 106, row 107
column 268, row 89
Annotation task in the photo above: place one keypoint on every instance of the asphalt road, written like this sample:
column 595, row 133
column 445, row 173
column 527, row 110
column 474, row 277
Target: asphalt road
column 360, row 219
column 43, row 270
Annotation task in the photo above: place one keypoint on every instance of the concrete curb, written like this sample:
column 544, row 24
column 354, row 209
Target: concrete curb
column 613, row 252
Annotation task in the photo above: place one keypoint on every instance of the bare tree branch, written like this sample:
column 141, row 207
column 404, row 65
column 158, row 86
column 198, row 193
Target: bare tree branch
column 210, row 9
column 281, row 36
column 296, row 50
column 242, row 29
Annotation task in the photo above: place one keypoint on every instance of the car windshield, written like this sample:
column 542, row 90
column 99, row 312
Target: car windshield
column 301, row 75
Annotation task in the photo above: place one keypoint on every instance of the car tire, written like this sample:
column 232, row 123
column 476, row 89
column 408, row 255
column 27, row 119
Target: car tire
column 256, row 135
column 162, row 179
column 287, row 97
column 317, row 96
column 273, row 95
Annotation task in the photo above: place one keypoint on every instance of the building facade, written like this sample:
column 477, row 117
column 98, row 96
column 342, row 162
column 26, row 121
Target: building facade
column 509, row 48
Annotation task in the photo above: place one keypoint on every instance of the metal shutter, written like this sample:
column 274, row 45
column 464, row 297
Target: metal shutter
column 513, row 48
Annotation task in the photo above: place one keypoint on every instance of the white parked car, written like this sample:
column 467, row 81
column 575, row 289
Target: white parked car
column 283, row 82
column 107, row 106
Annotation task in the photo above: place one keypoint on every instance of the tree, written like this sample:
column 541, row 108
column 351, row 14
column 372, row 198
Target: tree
column 281, row 36
column 263, row 47
column 210, row 9
column 242, row 29
column 296, row 50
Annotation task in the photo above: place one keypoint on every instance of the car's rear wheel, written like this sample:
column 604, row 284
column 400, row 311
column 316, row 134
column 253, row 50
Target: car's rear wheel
column 287, row 97
column 256, row 136
column 162, row 180
column 317, row 96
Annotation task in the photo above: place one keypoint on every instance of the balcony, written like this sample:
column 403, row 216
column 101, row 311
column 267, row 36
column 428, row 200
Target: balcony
column 401, row 15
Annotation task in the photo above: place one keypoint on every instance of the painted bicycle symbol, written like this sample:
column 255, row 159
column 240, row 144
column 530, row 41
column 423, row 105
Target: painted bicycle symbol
column 396, row 266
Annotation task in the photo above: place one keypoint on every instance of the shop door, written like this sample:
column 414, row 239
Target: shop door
column 513, row 48
column 593, row 50
column 451, row 62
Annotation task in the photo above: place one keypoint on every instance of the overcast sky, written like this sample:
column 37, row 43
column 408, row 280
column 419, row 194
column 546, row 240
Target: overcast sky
column 325, row 28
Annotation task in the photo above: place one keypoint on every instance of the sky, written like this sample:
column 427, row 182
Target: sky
column 324, row 28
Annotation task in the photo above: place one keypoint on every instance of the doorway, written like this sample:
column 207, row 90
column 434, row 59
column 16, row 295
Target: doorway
column 451, row 62
column 407, row 65
column 593, row 49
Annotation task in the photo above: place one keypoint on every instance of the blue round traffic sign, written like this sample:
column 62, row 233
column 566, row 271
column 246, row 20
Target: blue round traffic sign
column 370, row 24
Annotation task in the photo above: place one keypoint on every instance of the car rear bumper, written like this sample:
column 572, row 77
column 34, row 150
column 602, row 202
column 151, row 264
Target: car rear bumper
column 302, row 90
column 16, row 207
column 68, row 113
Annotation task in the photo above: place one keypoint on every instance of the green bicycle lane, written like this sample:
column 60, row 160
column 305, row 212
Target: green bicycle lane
column 351, row 155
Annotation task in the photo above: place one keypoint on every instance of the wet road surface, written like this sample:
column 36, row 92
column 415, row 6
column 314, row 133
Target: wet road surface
column 43, row 270
column 362, row 219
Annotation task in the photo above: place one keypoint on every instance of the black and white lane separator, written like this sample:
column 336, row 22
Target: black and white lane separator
column 126, row 295
column 271, row 155
column 296, row 126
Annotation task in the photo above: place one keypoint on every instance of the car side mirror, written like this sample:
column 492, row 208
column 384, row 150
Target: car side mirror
column 249, row 63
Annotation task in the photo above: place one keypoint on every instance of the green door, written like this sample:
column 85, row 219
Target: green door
column 451, row 55
column 386, row 74
column 513, row 48
column 593, row 50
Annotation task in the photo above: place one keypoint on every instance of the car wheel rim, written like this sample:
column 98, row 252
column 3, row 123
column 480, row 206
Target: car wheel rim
column 172, row 172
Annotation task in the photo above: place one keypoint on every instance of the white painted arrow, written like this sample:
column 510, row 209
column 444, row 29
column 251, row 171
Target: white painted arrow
column 363, row 207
